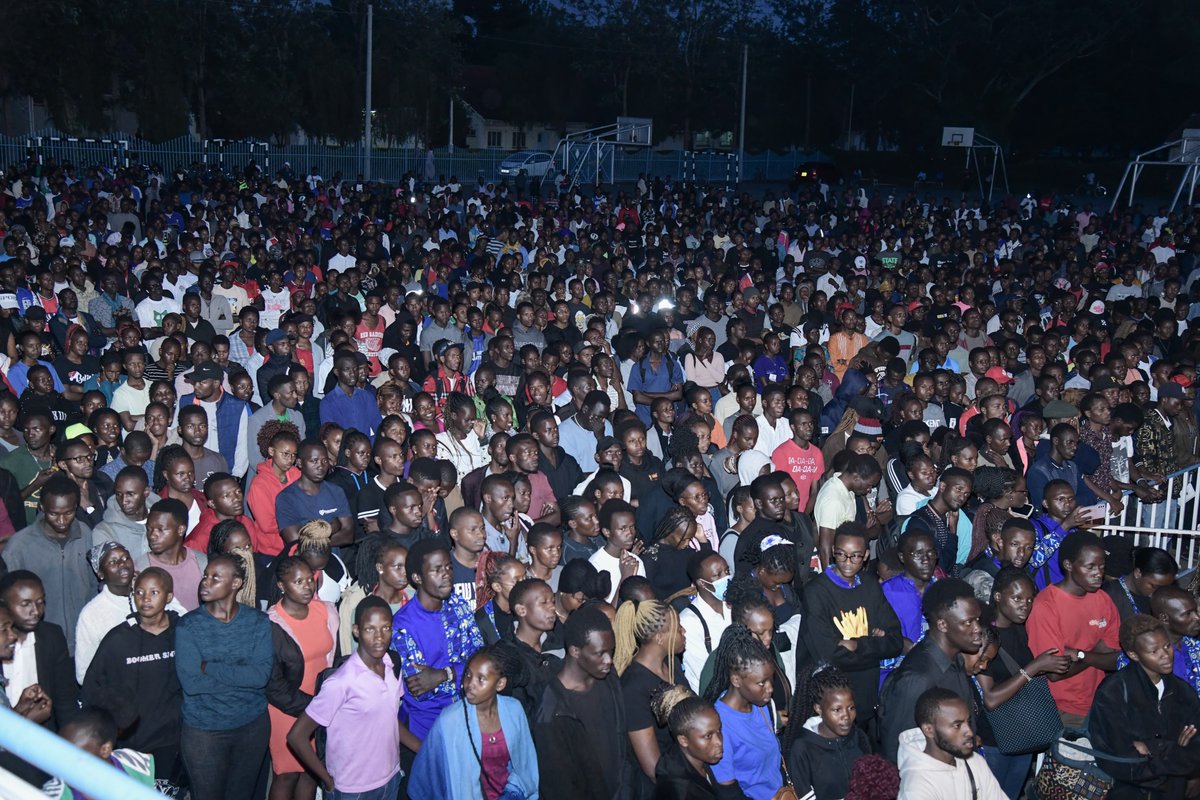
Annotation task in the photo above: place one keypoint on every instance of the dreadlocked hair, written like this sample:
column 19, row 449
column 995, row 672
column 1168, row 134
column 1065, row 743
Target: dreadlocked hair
column 168, row 457
column 811, row 687
column 677, row 708
column 678, row 517
column 314, row 537
column 634, row 625
column 506, row 658
column 738, row 651
column 487, row 570
column 248, row 596
column 286, row 431
column 369, row 553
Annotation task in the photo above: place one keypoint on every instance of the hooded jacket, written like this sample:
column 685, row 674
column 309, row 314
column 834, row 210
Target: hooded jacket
column 923, row 777
column 64, row 569
column 819, row 768
column 675, row 779
column 117, row 527
column 133, row 675
column 1126, row 709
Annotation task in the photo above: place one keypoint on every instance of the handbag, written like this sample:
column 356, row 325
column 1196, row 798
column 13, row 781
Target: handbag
column 1027, row 722
column 787, row 791
column 1070, row 771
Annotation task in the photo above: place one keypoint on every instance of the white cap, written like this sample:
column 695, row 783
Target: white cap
column 8, row 300
column 1097, row 307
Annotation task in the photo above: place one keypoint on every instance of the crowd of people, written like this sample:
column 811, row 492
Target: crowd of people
column 443, row 491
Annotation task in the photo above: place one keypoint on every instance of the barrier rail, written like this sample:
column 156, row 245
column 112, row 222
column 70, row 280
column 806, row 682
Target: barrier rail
column 387, row 163
column 63, row 760
column 1172, row 523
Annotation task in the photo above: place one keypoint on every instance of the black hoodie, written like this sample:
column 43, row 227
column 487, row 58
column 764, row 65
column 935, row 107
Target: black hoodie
column 824, row 601
column 133, row 676
column 822, row 765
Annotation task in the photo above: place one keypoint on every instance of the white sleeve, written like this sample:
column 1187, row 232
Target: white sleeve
column 241, row 459
column 694, row 654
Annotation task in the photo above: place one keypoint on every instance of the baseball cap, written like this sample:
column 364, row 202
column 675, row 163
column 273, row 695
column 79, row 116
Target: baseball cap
column 604, row 443
column 207, row 371
column 442, row 346
column 1171, row 390
column 1097, row 307
column 277, row 335
column 8, row 300
column 999, row 375
column 1059, row 409
column 1103, row 384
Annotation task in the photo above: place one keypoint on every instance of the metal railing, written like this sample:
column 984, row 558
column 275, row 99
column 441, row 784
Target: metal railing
column 76, row 768
column 388, row 164
column 1173, row 523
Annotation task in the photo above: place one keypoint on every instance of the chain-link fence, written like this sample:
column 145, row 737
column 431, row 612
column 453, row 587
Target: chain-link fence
column 387, row 164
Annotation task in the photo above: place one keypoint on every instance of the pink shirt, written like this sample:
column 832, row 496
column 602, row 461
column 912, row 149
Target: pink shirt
column 359, row 710
column 805, row 466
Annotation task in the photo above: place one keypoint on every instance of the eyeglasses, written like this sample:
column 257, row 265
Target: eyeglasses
column 853, row 558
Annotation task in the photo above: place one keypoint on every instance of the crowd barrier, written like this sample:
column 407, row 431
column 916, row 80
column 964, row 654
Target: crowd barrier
column 1172, row 524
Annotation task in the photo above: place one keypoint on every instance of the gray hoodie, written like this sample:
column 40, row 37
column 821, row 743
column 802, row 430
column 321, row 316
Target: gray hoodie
column 64, row 569
column 923, row 777
column 116, row 527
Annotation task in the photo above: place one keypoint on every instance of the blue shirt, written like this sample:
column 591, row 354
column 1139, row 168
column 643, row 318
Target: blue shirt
column 644, row 378
column 294, row 506
column 231, row 690
column 751, row 752
column 581, row 444
column 358, row 410
column 18, row 376
column 1043, row 470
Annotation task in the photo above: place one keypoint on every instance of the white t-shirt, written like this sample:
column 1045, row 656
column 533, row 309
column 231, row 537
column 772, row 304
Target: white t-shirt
column 274, row 304
column 602, row 561
column 150, row 313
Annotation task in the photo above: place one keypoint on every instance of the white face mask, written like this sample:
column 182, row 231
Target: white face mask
column 720, row 587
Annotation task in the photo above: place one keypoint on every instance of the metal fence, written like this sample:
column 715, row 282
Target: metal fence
column 1172, row 523
column 387, row 164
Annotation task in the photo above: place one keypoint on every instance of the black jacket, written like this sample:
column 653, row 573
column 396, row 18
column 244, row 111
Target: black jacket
column 819, row 636
column 56, row 673
column 676, row 780
column 823, row 765
column 283, row 688
column 567, row 750
column 926, row 666
column 133, row 676
column 1127, row 709
column 565, row 477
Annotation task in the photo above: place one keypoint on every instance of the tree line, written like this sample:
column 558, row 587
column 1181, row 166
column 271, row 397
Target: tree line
column 1033, row 73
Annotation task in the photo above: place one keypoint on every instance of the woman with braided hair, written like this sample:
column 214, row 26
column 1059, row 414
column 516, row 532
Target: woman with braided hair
column 999, row 488
column 666, row 560
column 380, row 571
column 231, row 536
column 685, row 770
column 175, row 477
column 822, row 742
column 313, row 544
column 495, row 575
column 741, row 690
column 480, row 747
column 648, row 641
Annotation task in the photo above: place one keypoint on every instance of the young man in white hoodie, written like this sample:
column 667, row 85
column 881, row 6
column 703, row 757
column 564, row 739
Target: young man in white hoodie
column 938, row 759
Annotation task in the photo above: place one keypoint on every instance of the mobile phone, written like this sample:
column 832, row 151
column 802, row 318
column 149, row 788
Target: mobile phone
column 1096, row 512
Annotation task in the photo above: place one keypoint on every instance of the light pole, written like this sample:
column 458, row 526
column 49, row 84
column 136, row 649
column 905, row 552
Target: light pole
column 367, row 111
column 742, row 124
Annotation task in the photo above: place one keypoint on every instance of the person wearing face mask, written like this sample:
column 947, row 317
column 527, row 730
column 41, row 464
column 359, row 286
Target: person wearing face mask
column 707, row 616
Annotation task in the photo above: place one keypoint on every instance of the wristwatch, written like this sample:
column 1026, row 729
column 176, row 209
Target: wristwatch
column 1079, row 655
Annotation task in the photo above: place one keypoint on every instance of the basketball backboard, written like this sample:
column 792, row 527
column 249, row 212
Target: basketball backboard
column 958, row 137
column 638, row 131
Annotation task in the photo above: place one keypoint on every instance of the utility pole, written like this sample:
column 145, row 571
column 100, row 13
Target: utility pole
column 742, row 125
column 367, row 113
column 451, row 122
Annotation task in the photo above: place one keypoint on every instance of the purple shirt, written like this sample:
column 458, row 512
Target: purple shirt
column 359, row 710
